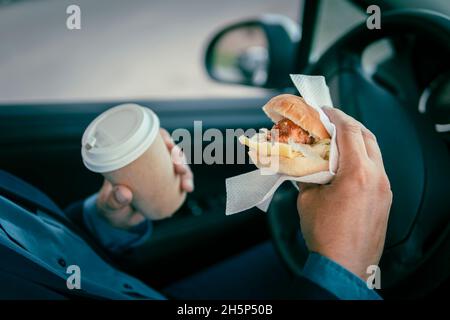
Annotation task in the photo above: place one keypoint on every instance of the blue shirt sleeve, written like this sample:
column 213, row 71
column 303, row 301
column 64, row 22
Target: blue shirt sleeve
column 336, row 279
column 113, row 239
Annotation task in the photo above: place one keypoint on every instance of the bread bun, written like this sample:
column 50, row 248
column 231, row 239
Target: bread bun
column 297, row 166
column 298, row 111
column 283, row 159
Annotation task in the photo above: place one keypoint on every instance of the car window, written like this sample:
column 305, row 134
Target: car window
column 124, row 49
column 441, row 6
column 334, row 20
column 336, row 17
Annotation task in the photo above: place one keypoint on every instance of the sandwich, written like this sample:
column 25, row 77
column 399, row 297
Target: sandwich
column 297, row 145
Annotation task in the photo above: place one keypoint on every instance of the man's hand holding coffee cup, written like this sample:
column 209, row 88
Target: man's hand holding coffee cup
column 125, row 145
column 179, row 162
column 346, row 220
column 114, row 202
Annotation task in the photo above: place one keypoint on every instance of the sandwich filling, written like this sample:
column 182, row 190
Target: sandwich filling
column 289, row 140
column 285, row 131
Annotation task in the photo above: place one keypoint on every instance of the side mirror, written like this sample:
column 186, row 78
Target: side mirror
column 258, row 52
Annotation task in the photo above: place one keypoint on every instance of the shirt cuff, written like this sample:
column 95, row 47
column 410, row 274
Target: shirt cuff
column 331, row 276
column 113, row 239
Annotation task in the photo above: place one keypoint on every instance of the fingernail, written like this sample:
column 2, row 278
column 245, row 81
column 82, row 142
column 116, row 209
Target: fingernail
column 177, row 155
column 120, row 198
column 190, row 185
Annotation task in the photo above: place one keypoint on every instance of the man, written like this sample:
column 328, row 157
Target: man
column 343, row 223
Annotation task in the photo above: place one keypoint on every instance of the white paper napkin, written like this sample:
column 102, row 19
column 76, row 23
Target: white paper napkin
column 254, row 189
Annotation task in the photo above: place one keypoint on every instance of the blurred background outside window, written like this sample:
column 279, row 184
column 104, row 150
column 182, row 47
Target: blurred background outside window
column 135, row 49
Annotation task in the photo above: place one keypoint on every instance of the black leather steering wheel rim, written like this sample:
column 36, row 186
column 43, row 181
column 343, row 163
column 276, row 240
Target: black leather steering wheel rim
column 420, row 216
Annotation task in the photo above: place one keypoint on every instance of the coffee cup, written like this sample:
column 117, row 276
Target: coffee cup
column 124, row 145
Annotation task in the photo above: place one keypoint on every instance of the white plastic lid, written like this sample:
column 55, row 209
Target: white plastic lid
column 118, row 136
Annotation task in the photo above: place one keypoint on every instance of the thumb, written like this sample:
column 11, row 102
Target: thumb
column 118, row 198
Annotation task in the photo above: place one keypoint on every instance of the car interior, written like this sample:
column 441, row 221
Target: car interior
column 395, row 80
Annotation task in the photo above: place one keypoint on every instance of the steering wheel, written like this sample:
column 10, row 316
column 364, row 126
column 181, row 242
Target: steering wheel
column 416, row 157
